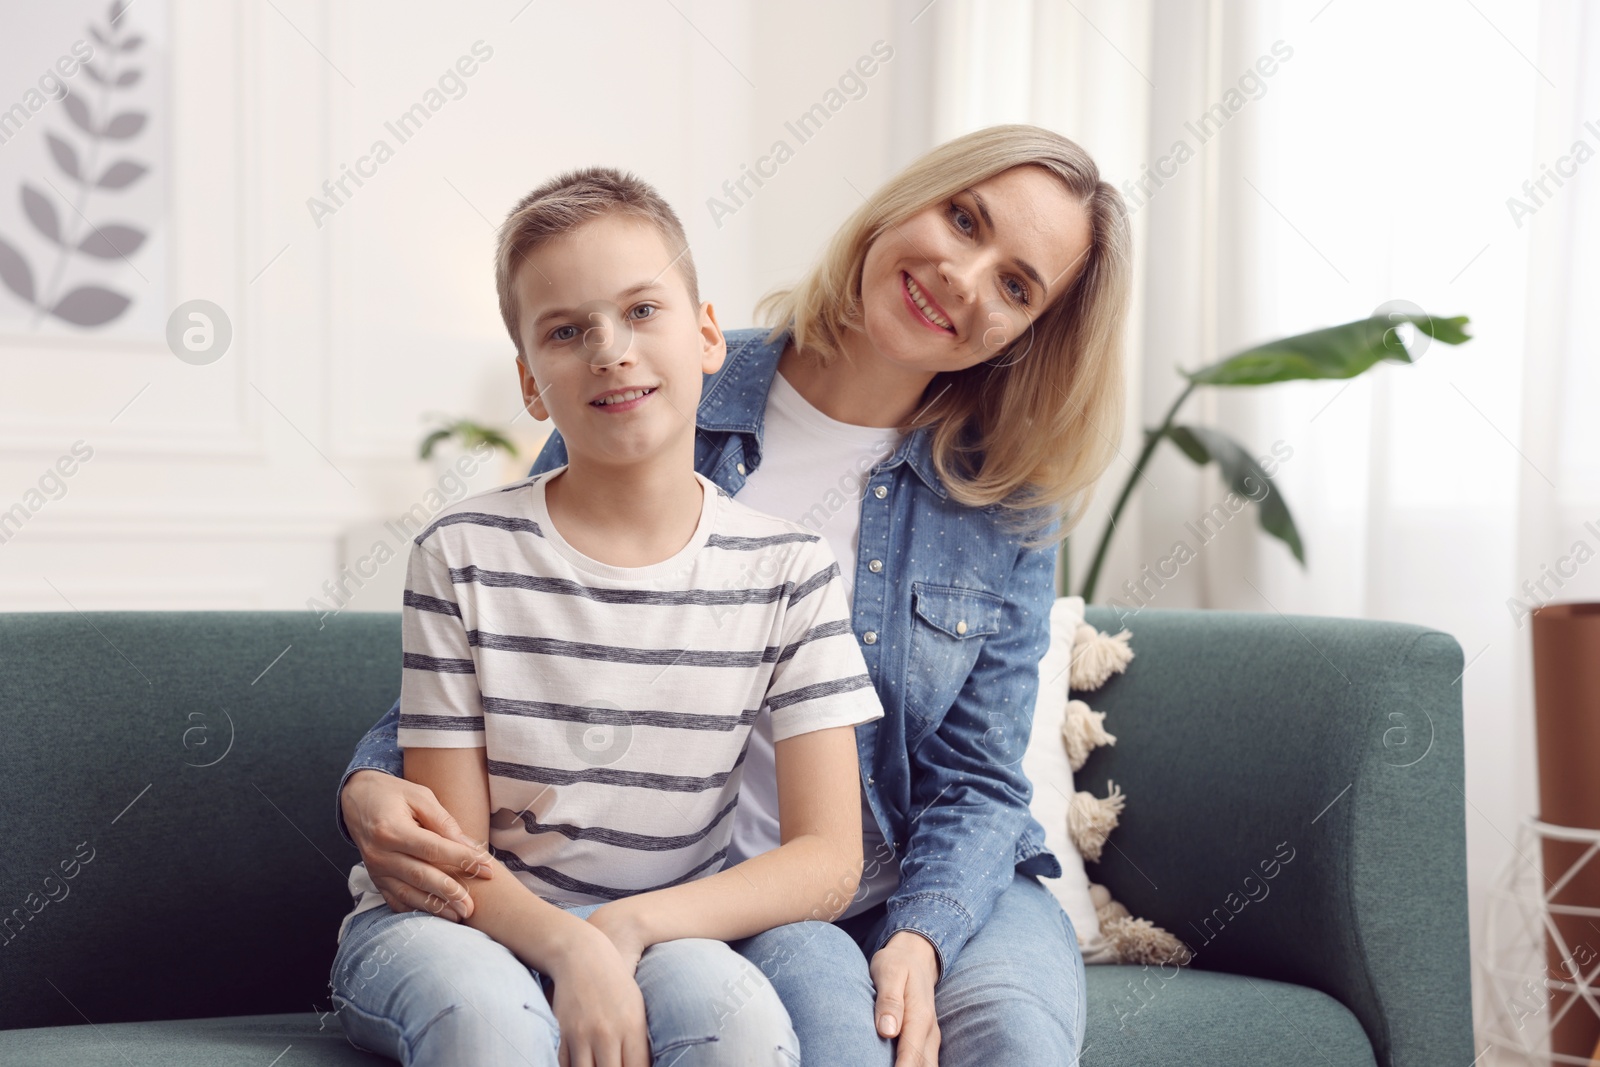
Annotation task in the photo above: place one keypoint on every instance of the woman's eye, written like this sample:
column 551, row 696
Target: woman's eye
column 560, row 333
column 1020, row 293
column 961, row 218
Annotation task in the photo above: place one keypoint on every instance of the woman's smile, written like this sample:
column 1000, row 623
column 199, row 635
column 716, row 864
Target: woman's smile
column 923, row 308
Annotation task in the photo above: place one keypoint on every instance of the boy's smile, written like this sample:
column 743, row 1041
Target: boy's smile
column 613, row 400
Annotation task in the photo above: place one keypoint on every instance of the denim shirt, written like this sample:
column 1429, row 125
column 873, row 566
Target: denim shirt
column 952, row 616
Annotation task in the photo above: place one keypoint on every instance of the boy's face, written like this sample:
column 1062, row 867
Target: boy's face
column 604, row 311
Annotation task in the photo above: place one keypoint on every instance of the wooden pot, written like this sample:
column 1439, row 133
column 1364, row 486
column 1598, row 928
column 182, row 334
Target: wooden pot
column 1566, row 683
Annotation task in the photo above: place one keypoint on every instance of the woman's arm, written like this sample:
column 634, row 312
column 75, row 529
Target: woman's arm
column 967, row 783
column 813, row 874
column 404, row 834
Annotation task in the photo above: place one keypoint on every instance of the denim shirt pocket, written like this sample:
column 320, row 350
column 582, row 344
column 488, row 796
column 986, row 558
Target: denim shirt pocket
column 946, row 637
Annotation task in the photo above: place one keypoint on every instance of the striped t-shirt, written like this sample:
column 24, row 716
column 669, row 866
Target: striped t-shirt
column 615, row 702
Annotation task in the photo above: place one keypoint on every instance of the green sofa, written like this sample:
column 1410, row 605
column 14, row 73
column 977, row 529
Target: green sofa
column 173, row 878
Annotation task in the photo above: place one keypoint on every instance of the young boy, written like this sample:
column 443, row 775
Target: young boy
column 585, row 653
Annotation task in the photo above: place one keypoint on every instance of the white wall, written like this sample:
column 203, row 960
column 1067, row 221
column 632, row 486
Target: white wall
column 250, row 482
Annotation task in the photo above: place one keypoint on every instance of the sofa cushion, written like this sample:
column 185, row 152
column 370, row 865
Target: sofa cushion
column 1193, row 1019
column 1184, row 1017
column 301, row 1039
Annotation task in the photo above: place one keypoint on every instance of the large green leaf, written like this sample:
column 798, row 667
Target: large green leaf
column 1244, row 476
column 1336, row 352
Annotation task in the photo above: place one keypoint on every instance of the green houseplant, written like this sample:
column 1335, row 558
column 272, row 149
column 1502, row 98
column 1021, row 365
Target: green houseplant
column 1343, row 351
column 467, row 434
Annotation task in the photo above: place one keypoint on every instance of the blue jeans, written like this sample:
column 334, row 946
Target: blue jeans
column 425, row 990
column 1015, row 995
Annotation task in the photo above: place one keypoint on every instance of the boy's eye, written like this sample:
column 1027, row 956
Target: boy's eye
column 561, row 333
column 648, row 309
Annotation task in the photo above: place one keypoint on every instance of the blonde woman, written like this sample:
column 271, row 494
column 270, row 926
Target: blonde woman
column 937, row 398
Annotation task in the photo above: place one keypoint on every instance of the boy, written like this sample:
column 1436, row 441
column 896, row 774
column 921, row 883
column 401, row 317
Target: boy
column 585, row 653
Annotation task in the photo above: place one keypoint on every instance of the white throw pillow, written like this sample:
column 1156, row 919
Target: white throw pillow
column 1045, row 764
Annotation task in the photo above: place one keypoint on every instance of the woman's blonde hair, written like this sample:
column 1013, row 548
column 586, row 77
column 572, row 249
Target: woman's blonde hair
column 1034, row 427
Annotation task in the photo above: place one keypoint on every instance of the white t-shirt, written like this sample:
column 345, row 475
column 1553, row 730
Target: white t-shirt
column 615, row 702
column 813, row 471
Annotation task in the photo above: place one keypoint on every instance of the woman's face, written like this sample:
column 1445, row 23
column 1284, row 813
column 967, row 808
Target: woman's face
column 952, row 285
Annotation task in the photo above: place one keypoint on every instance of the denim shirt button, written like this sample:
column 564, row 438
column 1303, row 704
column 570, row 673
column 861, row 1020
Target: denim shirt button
column 880, row 492
column 739, row 467
column 875, row 566
column 870, row 637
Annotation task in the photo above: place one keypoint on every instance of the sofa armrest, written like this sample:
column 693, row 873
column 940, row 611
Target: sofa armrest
column 1295, row 810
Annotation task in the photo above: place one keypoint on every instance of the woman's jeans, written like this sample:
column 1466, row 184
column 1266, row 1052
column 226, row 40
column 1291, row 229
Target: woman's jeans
column 425, row 990
column 1015, row 995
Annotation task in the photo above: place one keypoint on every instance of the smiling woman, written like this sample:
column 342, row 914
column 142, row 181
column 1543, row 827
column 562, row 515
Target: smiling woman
column 1005, row 244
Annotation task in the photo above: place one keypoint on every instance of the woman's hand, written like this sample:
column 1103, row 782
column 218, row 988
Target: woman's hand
column 904, row 971
column 406, row 836
column 598, row 1006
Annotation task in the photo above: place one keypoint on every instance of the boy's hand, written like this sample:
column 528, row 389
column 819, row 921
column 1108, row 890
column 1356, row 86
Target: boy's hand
column 598, row 1006
column 408, row 841
column 620, row 924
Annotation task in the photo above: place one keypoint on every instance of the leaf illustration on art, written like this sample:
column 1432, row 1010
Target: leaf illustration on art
column 66, row 156
column 90, row 305
column 121, row 174
column 111, row 241
column 78, row 112
column 42, row 213
column 15, row 272
column 126, row 125
column 60, row 212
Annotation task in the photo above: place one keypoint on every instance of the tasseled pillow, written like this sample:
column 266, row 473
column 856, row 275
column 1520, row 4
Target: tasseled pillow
column 1083, row 731
column 1135, row 940
column 1090, row 819
column 1097, row 656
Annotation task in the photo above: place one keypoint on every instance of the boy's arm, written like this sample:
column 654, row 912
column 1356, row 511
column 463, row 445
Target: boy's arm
column 441, row 729
column 379, row 749
column 541, row 935
column 598, row 1006
column 400, row 831
column 819, row 690
column 813, row 874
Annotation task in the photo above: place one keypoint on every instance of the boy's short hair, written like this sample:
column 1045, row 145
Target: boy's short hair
column 566, row 202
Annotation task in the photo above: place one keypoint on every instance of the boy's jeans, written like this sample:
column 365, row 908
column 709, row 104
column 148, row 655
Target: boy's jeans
column 1015, row 995
column 425, row 990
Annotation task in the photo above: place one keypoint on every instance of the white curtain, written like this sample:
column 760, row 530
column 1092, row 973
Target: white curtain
column 1382, row 158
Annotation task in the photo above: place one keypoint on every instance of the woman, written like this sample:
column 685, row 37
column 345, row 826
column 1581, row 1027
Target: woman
column 952, row 368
